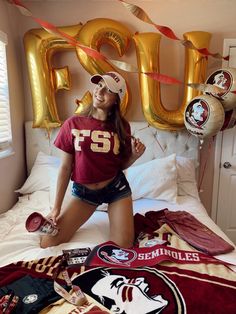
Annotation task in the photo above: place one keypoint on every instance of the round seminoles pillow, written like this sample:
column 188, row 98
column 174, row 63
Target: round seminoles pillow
column 204, row 116
column 224, row 78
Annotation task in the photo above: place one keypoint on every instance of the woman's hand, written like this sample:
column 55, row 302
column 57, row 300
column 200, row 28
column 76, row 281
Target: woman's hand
column 54, row 214
column 138, row 148
column 62, row 183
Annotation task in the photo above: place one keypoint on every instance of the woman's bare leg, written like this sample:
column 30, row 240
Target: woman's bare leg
column 122, row 222
column 73, row 216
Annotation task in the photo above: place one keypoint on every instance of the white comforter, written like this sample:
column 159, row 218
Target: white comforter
column 17, row 244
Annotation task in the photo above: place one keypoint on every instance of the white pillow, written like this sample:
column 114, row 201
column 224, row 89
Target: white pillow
column 186, row 177
column 53, row 173
column 155, row 179
column 38, row 180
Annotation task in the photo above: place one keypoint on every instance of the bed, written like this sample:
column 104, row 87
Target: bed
column 165, row 177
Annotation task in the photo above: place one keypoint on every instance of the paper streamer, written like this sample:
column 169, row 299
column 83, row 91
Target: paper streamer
column 91, row 52
column 138, row 12
column 168, row 32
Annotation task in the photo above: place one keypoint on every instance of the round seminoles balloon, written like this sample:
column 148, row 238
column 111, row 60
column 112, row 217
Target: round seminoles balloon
column 225, row 78
column 204, row 116
column 230, row 119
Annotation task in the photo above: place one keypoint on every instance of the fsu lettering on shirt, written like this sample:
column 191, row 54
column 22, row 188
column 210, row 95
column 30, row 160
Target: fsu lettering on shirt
column 95, row 146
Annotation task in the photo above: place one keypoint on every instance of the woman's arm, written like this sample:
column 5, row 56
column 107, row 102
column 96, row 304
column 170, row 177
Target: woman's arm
column 138, row 148
column 62, row 183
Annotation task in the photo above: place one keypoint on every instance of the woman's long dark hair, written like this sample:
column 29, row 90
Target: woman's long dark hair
column 114, row 117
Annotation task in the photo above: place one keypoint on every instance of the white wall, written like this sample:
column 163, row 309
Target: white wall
column 214, row 16
column 12, row 168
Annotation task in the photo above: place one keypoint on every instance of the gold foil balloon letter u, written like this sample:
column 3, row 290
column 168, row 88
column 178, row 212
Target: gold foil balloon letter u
column 147, row 50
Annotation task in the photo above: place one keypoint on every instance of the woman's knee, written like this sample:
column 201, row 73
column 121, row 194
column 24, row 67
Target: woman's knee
column 46, row 241
column 44, row 244
column 124, row 242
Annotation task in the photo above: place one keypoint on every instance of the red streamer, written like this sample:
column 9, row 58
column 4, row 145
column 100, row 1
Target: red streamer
column 96, row 54
column 89, row 51
column 163, row 78
column 166, row 31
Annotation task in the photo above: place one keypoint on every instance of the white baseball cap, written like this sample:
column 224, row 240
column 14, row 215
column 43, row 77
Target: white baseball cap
column 114, row 81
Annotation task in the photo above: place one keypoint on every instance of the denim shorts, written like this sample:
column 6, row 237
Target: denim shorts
column 117, row 189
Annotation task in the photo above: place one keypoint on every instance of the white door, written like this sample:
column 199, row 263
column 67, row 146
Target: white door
column 225, row 211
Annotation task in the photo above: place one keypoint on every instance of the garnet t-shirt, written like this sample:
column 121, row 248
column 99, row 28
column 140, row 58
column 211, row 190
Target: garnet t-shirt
column 95, row 146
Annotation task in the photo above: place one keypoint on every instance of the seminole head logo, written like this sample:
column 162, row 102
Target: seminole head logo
column 114, row 255
column 222, row 79
column 132, row 290
column 197, row 113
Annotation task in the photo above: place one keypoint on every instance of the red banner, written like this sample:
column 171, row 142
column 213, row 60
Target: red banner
column 108, row 253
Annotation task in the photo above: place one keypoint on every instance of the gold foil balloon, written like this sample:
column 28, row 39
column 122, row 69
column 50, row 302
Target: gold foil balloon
column 84, row 102
column 96, row 33
column 225, row 78
column 45, row 81
column 147, row 50
column 40, row 46
column 61, row 78
column 230, row 119
column 204, row 116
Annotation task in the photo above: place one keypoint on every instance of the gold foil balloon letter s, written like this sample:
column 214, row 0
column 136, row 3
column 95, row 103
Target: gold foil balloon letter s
column 96, row 33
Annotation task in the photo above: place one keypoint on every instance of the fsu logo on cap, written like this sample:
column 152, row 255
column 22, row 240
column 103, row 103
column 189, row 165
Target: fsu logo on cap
column 115, row 77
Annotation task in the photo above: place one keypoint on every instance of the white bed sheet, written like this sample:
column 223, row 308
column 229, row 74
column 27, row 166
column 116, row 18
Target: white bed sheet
column 17, row 244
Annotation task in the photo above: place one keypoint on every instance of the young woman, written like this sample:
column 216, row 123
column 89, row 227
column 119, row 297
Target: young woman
column 96, row 147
